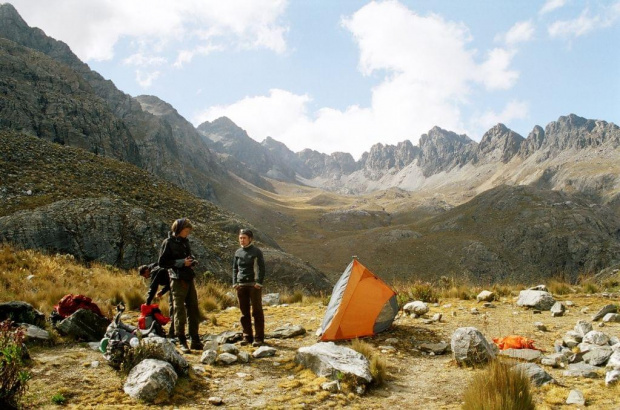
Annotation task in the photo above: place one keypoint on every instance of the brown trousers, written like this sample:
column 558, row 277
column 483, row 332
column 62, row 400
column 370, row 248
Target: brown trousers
column 250, row 296
column 186, row 309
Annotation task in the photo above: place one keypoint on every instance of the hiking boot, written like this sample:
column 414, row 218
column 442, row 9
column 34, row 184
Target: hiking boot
column 196, row 345
column 258, row 343
column 245, row 342
column 183, row 345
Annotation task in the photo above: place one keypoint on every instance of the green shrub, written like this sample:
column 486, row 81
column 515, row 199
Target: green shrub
column 423, row 291
column 58, row 399
column 13, row 377
column 499, row 387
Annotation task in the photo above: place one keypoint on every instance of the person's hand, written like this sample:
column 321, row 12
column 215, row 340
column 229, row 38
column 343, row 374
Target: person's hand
column 160, row 294
column 188, row 261
column 236, row 286
column 258, row 286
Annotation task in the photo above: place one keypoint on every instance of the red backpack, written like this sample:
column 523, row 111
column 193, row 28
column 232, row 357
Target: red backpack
column 69, row 304
column 150, row 313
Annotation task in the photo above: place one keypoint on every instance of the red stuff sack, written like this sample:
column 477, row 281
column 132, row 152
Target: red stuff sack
column 69, row 304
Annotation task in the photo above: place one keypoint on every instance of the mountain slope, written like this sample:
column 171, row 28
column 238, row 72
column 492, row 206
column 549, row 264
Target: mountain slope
column 63, row 199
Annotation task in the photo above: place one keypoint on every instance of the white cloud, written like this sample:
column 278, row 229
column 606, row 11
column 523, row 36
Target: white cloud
column 521, row 32
column 143, row 60
column 551, row 5
column 514, row 110
column 586, row 22
column 145, row 79
column 186, row 56
column 428, row 72
column 93, row 28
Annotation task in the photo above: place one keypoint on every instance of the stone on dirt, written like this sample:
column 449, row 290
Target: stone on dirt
column 598, row 356
column 485, row 296
column 611, row 317
column 417, row 308
column 84, row 325
column 169, row 353
column 330, row 360
column 208, row 357
column 604, row 310
column 469, row 346
column 287, row 331
column 596, row 338
column 612, row 377
column 150, row 379
column 271, row 299
column 226, row 358
column 555, row 360
column 558, row 309
column 529, row 355
column 21, row 312
column 435, row 348
column 34, row 334
column 582, row 370
column 583, row 327
column 535, row 373
column 536, row 299
column 576, row 397
column 264, row 351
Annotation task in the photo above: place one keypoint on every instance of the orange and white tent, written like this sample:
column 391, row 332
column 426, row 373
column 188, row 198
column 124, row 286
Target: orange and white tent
column 361, row 305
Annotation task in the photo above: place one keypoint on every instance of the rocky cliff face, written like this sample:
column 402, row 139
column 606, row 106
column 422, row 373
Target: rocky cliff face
column 158, row 150
column 386, row 158
column 225, row 137
column 499, row 144
column 442, row 150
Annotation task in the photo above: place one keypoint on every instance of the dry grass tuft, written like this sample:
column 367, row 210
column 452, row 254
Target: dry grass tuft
column 378, row 365
column 296, row 297
column 559, row 287
column 499, row 386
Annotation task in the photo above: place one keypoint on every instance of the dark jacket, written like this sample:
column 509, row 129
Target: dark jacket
column 243, row 266
column 159, row 277
column 174, row 250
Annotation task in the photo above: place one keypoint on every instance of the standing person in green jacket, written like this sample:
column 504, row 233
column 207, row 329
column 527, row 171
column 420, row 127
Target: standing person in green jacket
column 249, row 288
column 176, row 255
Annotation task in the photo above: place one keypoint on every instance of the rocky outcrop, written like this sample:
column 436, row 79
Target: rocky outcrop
column 442, row 150
column 384, row 158
column 499, row 144
column 328, row 166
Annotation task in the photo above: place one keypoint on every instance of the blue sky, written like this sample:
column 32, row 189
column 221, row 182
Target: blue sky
column 344, row 75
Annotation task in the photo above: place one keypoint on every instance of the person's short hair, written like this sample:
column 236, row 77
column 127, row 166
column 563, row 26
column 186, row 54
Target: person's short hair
column 180, row 224
column 247, row 232
column 142, row 269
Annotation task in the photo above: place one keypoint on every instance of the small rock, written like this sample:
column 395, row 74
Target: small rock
column 576, row 397
column 435, row 348
column 264, row 351
column 489, row 305
column 485, row 296
column 226, row 358
column 582, row 370
column 555, row 360
column 585, row 310
column 529, row 355
column 244, row 357
column 596, row 337
column 611, row 317
column 540, row 326
column 582, row 327
column 612, row 377
column 216, row 401
column 417, row 308
column 391, row 341
column 557, row 309
column 208, row 357
column 474, row 311
column 229, row 348
column 604, row 310
column 572, row 338
column 569, row 303
column 332, row 387
column 94, row 364
column 535, row 373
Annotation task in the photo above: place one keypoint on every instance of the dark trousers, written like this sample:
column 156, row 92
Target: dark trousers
column 171, row 304
column 250, row 296
column 186, row 311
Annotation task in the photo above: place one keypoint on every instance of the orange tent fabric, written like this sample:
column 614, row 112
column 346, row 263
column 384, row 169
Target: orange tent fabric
column 361, row 305
column 514, row 342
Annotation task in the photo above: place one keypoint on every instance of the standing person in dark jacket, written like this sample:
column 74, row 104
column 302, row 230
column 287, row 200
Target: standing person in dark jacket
column 249, row 287
column 176, row 255
column 159, row 277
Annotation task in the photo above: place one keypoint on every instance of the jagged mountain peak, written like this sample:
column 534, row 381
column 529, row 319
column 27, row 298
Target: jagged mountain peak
column 155, row 105
column 498, row 144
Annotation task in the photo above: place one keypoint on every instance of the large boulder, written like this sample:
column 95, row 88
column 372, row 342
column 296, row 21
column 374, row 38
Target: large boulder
column 169, row 353
column 469, row 346
column 485, row 296
column 598, row 356
column 596, row 338
column 84, row 325
column 150, row 379
column 536, row 299
column 21, row 312
column 330, row 360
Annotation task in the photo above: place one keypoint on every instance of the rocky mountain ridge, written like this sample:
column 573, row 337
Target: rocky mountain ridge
column 440, row 152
